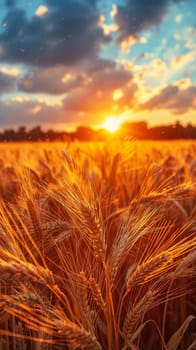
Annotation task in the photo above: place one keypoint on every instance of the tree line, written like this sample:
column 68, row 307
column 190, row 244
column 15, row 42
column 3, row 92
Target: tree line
column 136, row 130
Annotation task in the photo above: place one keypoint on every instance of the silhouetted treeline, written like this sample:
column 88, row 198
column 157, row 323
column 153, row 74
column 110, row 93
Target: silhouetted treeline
column 136, row 130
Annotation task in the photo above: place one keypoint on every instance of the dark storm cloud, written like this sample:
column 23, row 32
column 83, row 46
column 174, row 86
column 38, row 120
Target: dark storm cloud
column 174, row 99
column 136, row 16
column 67, row 34
column 7, row 83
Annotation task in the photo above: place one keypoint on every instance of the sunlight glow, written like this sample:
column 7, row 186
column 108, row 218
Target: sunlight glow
column 112, row 124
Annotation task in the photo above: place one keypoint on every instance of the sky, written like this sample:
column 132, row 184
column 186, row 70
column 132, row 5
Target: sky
column 78, row 62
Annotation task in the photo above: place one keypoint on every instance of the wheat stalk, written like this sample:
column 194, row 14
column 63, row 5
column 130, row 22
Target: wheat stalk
column 85, row 311
column 113, row 170
column 35, row 221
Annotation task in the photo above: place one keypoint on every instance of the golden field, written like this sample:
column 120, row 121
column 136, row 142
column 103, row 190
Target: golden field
column 98, row 246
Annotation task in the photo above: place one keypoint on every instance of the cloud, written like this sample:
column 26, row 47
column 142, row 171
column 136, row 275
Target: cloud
column 178, row 18
column 89, row 94
column 127, row 43
column 13, row 72
column 98, row 96
column 53, row 81
column 136, row 16
column 7, row 82
column 154, row 70
column 103, row 87
column 41, row 11
column 112, row 27
column 107, row 28
column 181, row 60
column 173, row 98
column 66, row 35
column 22, row 111
column 60, row 80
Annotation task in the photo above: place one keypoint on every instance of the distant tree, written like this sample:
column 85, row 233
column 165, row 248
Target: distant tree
column 9, row 135
column 35, row 134
column 178, row 130
column 21, row 134
column 190, row 131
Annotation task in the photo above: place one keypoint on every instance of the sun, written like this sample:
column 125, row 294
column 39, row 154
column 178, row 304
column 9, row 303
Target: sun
column 112, row 124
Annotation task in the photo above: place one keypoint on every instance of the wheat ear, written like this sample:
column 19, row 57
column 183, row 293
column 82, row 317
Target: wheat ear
column 76, row 335
column 94, row 232
column 148, row 270
column 116, row 258
column 83, row 305
column 185, row 262
column 136, row 313
column 25, row 272
column 54, row 226
column 94, row 289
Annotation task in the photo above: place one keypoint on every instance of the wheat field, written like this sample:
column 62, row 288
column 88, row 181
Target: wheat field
column 98, row 246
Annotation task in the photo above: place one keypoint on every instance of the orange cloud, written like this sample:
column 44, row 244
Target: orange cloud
column 112, row 27
column 108, row 91
column 36, row 109
column 12, row 72
column 41, row 11
column 130, row 41
column 19, row 99
column 67, row 77
column 107, row 28
column 183, row 59
column 151, row 73
column 183, row 83
column 114, row 11
column 118, row 94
